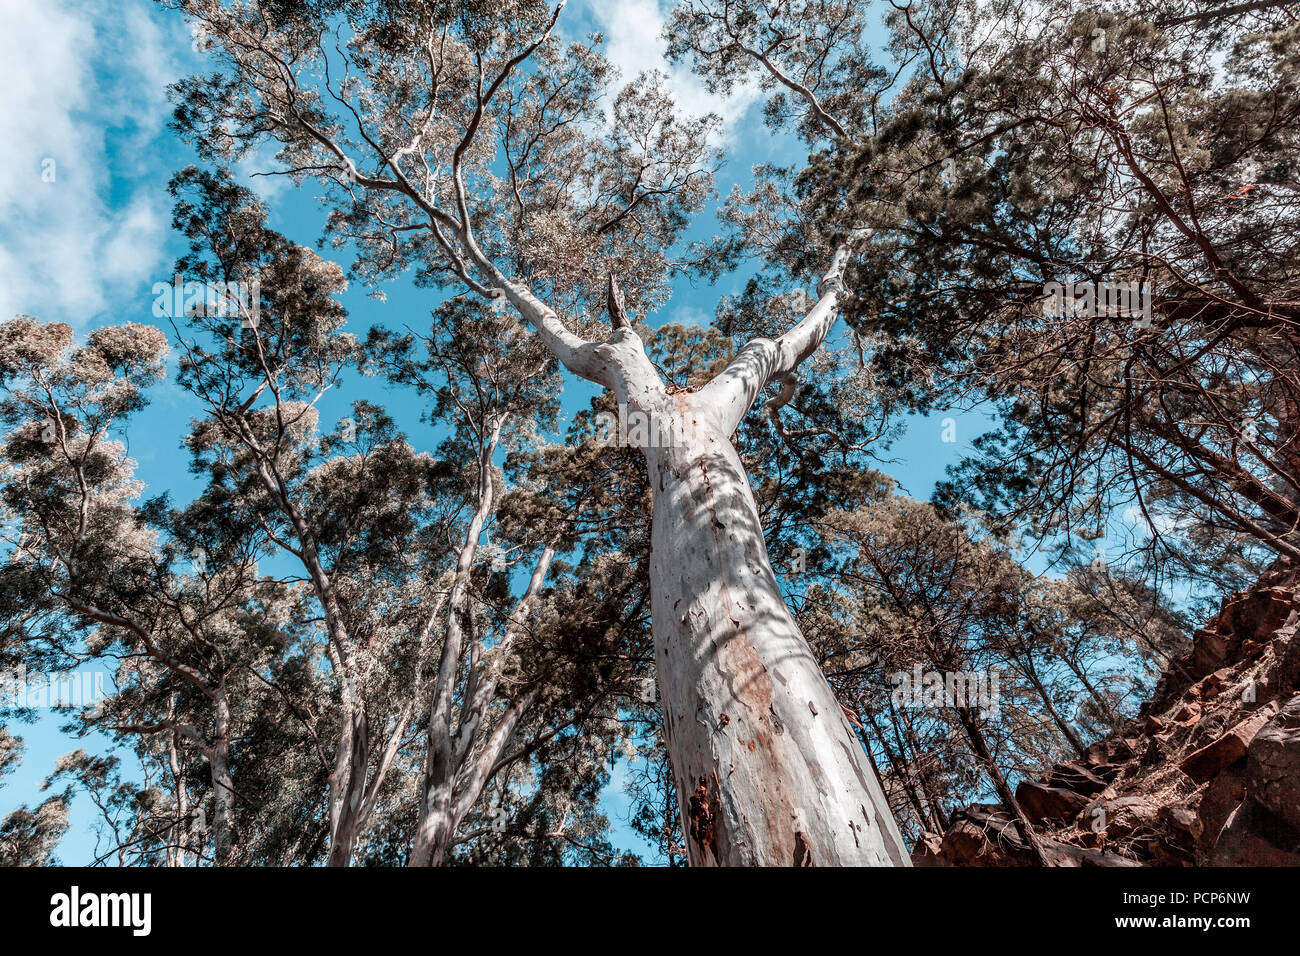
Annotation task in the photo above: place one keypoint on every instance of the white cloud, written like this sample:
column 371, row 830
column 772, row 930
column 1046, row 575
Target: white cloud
column 251, row 169
column 78, row 225
column 691, row 315
column 634, row 42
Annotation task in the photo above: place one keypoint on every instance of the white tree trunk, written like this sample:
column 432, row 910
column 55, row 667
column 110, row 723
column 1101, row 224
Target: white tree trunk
column 768, row 770
column 223, row 789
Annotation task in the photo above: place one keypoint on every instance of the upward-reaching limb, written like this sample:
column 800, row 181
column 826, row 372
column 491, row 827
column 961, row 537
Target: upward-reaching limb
column 731, row 393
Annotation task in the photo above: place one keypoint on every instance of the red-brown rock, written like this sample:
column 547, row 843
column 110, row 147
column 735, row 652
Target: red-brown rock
column 1041, row 802
column 1206, row 763
column 1124, row 816
column 1254, row 837
column 1273, row 765
column 1076, row 776
column 1218, row 801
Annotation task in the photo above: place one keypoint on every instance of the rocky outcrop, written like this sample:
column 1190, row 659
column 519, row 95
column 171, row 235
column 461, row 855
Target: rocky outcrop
column 1042, row 802
column 1273, row 765
column 1211, row 760
column 984, row 835
column 1208, row 773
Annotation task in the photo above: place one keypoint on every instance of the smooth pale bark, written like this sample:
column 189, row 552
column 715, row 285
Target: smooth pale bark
column 436, row 824
column 216, row 751
column 347, row 784
column 180, row 829
column 223, row 789
column 459, row 756
column 768, row 770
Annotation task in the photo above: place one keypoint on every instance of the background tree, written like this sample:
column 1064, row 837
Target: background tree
column 28, row 837
column 1139, row 143
column 932, row 599
column 286, row 610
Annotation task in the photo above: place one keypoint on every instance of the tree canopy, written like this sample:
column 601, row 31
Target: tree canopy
column 348, row 649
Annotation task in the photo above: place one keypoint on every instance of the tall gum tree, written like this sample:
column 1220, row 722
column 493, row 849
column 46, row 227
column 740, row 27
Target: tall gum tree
column 474, row 146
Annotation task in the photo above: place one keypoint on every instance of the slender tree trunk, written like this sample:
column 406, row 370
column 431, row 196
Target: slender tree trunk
column 349, row 788
column 923, row 773
column 768, row 771
column 1107, row 712
column 223, row 789
column 181, row 829
column 904, row 771
column 1071, row 735
column 1018, row 818
column 437, row 820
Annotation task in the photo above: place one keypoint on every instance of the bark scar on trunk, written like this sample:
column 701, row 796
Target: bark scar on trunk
column 704, row 814
column 802, row 851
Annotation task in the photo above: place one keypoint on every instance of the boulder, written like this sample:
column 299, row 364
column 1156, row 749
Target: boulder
column 1254, row 615
column 1286, row 675
column 1205, row 764
column 929, row 851
column 1209, row 651
column 1124, row 816
column 1066, row 854
column 1182, row 820
column 1073, row 775
column 982, row 835
column 1218, row 800
column 1110, row 751
column 1254, row 837
column 1273, row 765
column 1260, row 614
column 1041, row 802
column 1107, row 771
column 1174, row 843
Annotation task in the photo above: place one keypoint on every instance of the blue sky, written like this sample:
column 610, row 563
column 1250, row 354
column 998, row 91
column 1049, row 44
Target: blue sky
column 84, row 100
